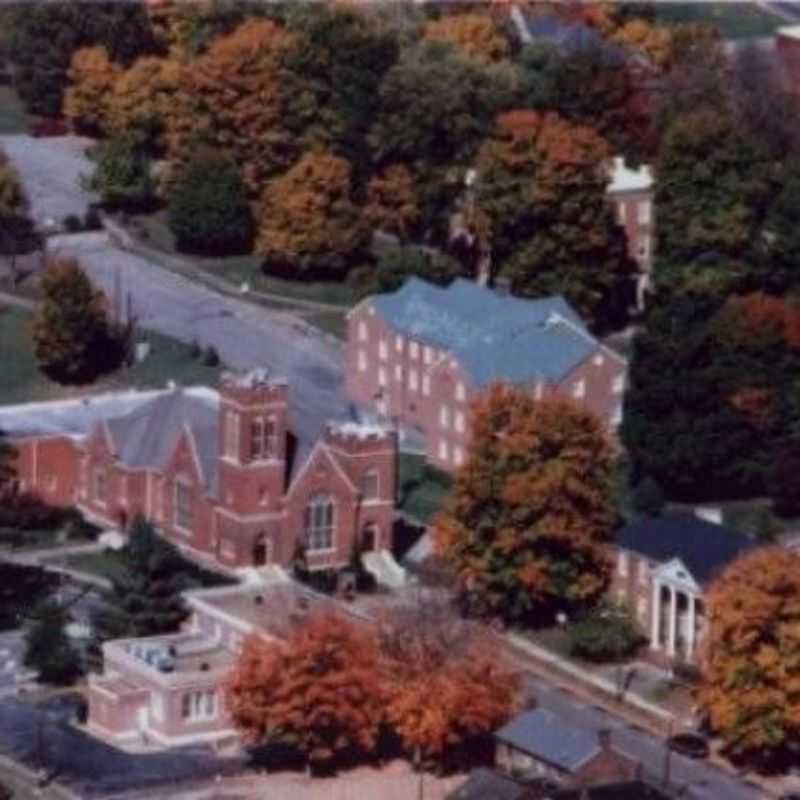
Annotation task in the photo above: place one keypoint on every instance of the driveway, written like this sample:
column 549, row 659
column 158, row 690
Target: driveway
column 42, row 738
column 51, row 170
column 698, row 779
column 245, row 336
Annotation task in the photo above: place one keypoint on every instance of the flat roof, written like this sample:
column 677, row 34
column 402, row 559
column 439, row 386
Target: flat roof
column 789, row 31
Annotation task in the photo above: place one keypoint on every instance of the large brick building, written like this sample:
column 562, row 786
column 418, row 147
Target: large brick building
column 663, row 567
column 419, row 356
column 218, row 472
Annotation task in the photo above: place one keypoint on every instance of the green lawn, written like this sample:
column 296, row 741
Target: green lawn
column 13, row 118
column 38, row 539
column 734, row 20
column 423, row 488
column 247, row 269
column 21, row 381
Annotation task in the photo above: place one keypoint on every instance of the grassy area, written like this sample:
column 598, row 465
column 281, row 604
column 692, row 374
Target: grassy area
column 17, row 539
column 734, row 20
column 423, row 488
column 21, row 381
column 247, row 269
column 13, row 118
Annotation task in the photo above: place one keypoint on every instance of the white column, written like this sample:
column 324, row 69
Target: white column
column 673, row 619
column 655, row 628
column 692, row 623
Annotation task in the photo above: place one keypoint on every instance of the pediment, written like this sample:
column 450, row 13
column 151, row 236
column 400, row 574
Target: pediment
column 676, row 573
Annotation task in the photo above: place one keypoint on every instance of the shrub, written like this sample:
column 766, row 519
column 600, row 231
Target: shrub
column 210, row 357
column 607, row 633
column 121, row 175
column 27, row 511
column 208, row 209
column 195, row 351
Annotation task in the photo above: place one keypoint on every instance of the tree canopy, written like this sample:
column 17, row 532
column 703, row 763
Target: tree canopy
column 525, row 527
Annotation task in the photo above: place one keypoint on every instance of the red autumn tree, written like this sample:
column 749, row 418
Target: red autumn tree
column 526, row 524
column 446, row 681
column 320, row 692
column 751, row 668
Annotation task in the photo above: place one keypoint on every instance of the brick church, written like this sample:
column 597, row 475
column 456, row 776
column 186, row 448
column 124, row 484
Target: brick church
column 218, row 472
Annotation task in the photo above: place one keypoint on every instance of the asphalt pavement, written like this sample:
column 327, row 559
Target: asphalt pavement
column 698, row 779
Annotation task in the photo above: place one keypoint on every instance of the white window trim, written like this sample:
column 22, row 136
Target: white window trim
column 362, row 331
column 426, row 385
column 579, row 389
column 413, row 380
column 383, row 350
column 362, row 361
column 335, row 516
column 461, row 392
column 181, row 483
column 444, row 417
column 413, row 349
column 459, row 422
column 622, row 564
column 644, row 212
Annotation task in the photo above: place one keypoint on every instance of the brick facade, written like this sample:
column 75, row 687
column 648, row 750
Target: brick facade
column 244, row 501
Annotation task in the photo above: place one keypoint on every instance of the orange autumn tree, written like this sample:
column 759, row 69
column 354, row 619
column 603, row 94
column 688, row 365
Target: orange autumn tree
column 750, row 685
column 320, row 692
column 446, row 681
column 92, row 77
column 392, row 201
column 475, row 35
column 526, row 525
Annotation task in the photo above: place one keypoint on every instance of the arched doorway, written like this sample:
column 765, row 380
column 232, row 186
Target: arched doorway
column 369, row 538
column 261, row 550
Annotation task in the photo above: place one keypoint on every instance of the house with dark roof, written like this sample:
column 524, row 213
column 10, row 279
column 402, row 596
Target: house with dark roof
column 539, row 744
column 420, row 354
column 218, row 472
column 663, row 566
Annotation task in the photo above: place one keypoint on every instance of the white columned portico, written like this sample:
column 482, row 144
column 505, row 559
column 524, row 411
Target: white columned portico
column 692, row 624
column 673, row 619
column 655, row 638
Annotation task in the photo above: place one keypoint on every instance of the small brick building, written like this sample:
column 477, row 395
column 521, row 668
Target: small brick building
column 419, row 355
column 663, row 567
column 218, row 472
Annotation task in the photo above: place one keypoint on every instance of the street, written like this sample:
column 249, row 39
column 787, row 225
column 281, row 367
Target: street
column 702, row 780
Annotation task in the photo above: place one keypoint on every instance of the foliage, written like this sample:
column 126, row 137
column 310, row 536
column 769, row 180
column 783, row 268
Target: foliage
column 552, row 231
column 145, row 595
column 308, row 222
column 648, row 497
column 8, row 455
column 654, row 41
column 607, row 633
column 74, row 340
column 45, row 37
column 12, row 194
column 27, row 511
column 445, row 681
column 121, row 175
column 783, row 232
column 92, row 78
column 525, row 527
column 208, row 209
column 784, row 480
column 23, row 587
column 48, row 649
column 751, row 673
column 396, row 264
column 319, row 693
column 392, row 201
column 476, row 35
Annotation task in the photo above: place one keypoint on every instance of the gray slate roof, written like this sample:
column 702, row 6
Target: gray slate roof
column 541, row 734
column 487, row 784
column 702, row 546
column 494, row 337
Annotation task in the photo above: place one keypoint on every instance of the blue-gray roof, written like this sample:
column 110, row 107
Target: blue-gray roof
column 541, row 734
column 494, row 337
column 571, row 37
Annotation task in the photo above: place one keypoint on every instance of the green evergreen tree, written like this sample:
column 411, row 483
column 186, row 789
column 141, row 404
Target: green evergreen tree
column 48, row 649
column 145, row 596
column 208, row 208
column 783, row 233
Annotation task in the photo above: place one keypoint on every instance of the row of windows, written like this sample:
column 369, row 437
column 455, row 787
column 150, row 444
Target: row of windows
column 445, row 415
column 444, row 453
column 197, row 706
column 263, row 437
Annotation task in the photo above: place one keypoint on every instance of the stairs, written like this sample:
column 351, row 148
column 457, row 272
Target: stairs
column 386, row 571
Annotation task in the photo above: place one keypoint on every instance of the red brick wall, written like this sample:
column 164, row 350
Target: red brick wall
column 631, row 586
column 640, row 234
column 49, row 467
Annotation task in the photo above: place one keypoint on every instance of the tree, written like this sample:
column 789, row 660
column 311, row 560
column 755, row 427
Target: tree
column 92, row 78
column 476, row 35
column 48, row 649
column 208, row 210
column 525, row 527
column 74, row 340
column 8, row 455
column 648, row 497
column 320, row 692
column 13, row 205
column 784, row 482
column 711, row 191
column 307, row 219
column 145, row 595
column 446, row 684
column 44, row 39
column 541, row 183
column 121, row 175
column 782, row 268
column 642, row 36
column 751, row 671
column 392, row 201
column 606, row 633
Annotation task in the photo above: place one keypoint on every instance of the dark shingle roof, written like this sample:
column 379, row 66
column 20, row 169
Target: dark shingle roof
column 630, row 790
column 487, row 784
column 702, row 546
column 542, row 734
column 494, row 337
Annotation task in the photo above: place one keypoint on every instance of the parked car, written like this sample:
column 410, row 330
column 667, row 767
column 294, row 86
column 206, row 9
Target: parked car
column 692, row 745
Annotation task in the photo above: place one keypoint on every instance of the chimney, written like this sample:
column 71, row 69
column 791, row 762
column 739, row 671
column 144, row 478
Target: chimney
column 604, row 738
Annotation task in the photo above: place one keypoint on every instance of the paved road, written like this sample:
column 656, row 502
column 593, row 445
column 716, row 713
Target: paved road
column 702, row 780
column 245, row 336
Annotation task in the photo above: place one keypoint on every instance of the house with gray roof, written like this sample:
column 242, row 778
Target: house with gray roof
column 420, row 354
